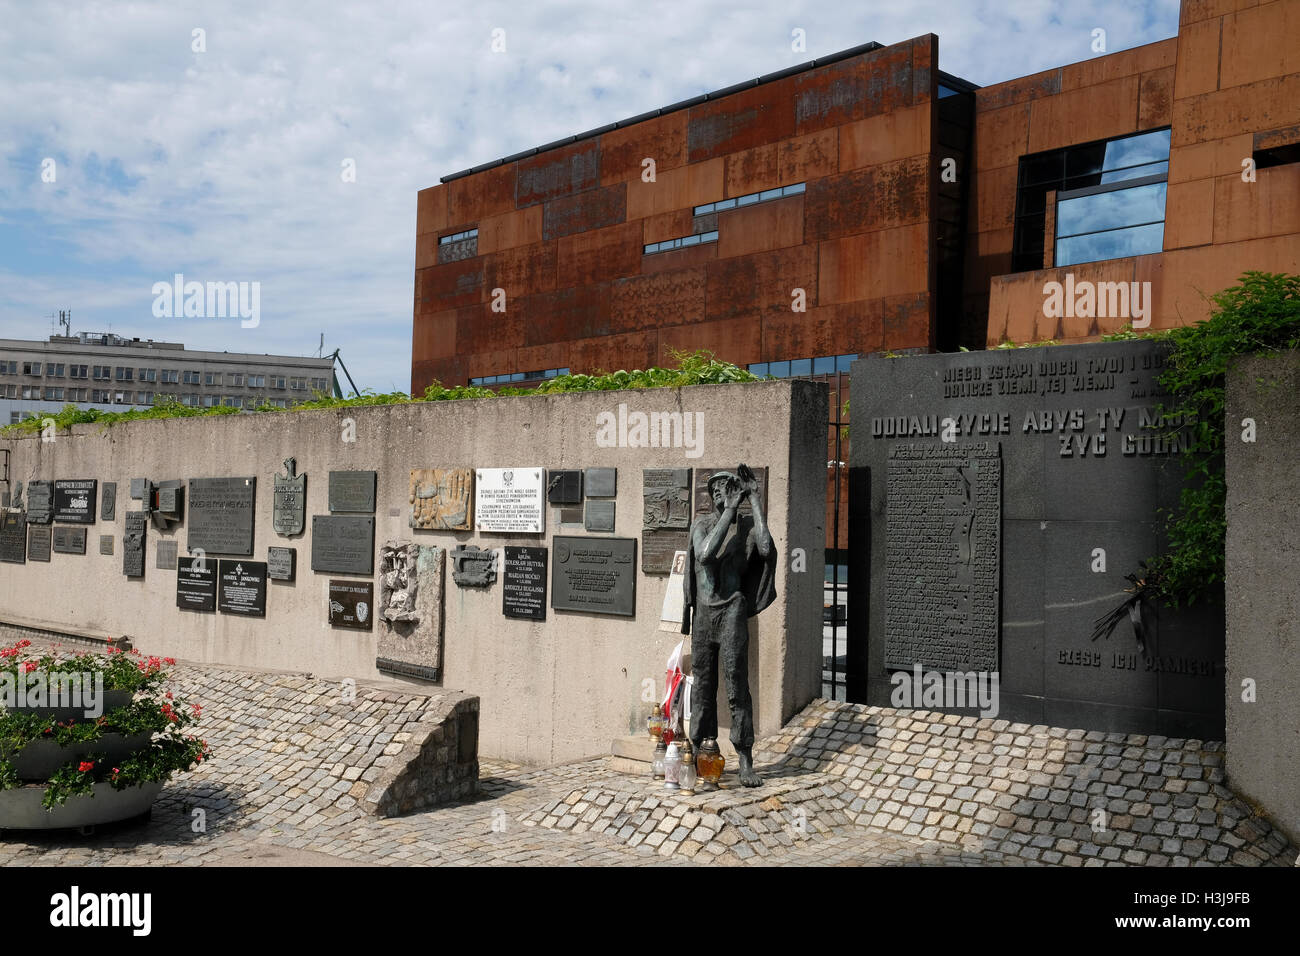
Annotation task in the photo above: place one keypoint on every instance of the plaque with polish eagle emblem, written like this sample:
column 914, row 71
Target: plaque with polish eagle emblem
column 289, row 505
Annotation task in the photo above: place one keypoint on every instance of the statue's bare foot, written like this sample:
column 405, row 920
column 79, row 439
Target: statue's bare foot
column 748, row 778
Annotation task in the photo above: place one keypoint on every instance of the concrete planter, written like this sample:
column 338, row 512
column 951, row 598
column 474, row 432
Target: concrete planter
column 113, row 699
column 40, row 758
column 20, row 809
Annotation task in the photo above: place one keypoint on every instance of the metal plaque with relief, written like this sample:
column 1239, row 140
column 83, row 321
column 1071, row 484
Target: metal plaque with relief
column 289, row 503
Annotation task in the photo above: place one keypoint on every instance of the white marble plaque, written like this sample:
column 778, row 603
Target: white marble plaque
column 510, row 499
column 670, row 619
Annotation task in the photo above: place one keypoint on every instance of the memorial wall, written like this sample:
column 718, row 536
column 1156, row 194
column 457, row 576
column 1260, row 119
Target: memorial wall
column 1010, row 492
column 503, row 547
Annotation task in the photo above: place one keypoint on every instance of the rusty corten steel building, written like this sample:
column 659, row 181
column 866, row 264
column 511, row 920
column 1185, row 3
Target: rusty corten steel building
column 824, row 186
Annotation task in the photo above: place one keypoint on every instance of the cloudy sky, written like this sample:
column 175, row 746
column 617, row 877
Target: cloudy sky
column 221, row 154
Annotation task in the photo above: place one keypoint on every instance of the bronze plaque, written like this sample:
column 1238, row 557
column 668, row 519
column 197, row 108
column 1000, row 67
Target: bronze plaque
column 442, row 499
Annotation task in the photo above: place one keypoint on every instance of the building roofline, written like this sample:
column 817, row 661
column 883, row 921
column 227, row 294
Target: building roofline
column 138, row 351
column 684, row 104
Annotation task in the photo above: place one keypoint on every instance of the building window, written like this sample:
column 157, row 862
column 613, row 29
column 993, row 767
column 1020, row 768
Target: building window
column 148, row 375
column 749, row 199
column 124, row 374
column 144, row 398
column 78, row 371
column 122, row 398
column 55, row 370
column 8, row 368
column 236, row 378
column 1273, row 156
column 99, row 395
column 232, row 401
column 170, row 375
column 684, row 242
column 824, row 365
column 257, row 381
column 458, row 236
column 102, row 373
column 211, row 378
column 190, row 378
column 31, row 368
column 53, row 394
column 318, row 384
column 277, row 381
column 298, row 384
column 1095, row 185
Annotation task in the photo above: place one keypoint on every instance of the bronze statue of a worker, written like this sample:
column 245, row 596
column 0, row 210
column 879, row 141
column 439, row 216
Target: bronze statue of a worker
column 730, row 577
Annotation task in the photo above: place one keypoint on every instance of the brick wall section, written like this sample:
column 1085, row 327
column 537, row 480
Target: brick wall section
column 562, row 233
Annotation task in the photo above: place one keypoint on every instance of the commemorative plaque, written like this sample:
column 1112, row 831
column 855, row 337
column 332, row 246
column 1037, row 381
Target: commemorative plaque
column 133, row 544
column 241, row 587
column 523, row 593
column 196, row 584
column 38, row 542
column 600, row 515
column 108, row 501
column 352, row 604
column 564, row 487
column 472, row 566
column 70, row 540
column 105, row 544
column 597, row 575
column 74, row 500
column 281, row 563
column 665, row 516
column 164, row 502
column 221, row 515
column 289, row 503
column 352, row 491
column 13, row 537
column 165, row 556
column 602, row 482
column 139, row 489
column 442, row 499
column 510, row 499
column 343, row 544
column 40, row 502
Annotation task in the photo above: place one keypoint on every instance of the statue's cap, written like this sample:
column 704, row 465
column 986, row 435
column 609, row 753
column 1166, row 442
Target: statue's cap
column 720, row 476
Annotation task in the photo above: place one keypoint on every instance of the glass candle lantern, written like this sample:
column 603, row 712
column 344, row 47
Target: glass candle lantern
column 688, row 771
column 710, row 763
column 657, row 767
column 672, row 767
column 655, row 723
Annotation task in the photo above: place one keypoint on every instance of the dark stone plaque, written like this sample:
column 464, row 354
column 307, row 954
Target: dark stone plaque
column 352, row 604
column 105, row 544
column 943, row 556
column 133, row 544
column 165, row 555
column 139, row 488
column 196, row 584
column 108, row 501
column 564, row 487
column 221, row 515
column 571, row 516
column 600, row 515
column 38, row 542
column 665, row 517
column 596, row 575
column 281, row 563
column 169, row 497
column 40, row 502
column 74, row 500
column 524, row 584
column 602, row 482
column 165, row 503
column 352, row 491
column 13, row 537
column 71, row 540
column 241, row 587
column 289, row 504
column 704, row 504
column 345, row 545
column 472, row 566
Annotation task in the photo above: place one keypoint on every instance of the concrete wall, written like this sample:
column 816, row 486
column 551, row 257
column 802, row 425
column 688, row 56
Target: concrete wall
column 555, row 690
column 1263, row 602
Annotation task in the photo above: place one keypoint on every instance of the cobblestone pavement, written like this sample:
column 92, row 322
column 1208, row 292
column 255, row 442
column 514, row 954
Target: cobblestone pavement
column 845, row 784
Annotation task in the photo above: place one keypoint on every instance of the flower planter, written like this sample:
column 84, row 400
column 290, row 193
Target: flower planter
column 113, row 699
column 20, row 808
column 40, row 758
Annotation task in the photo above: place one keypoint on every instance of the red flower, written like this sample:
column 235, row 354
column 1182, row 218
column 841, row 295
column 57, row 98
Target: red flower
column 169, row 661
column 29, row 666
column 168, row 695
column 86, row 765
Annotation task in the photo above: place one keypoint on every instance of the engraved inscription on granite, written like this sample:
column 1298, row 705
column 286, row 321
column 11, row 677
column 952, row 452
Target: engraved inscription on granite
column 600, row 515
column 665, row 517
column 943, row 556
column 105, row 544
column 352, row 604
column 524, row 584
column 221, row 515
column 597, row 575
column 352, row 491
column 281, row 563
column 38, row 542
column 70, row 540
column 289, row 501
column 108, row 501
column 196, row 584
column 601, row 482
column 40, row 502
column 13, row 537
column 510, row 499
column 165, row 555
column 442, row 499
column 343, row 544
column 133, row 544
column 241, row 587
column 704, row 504
column 74, row 500
column 564, row 487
